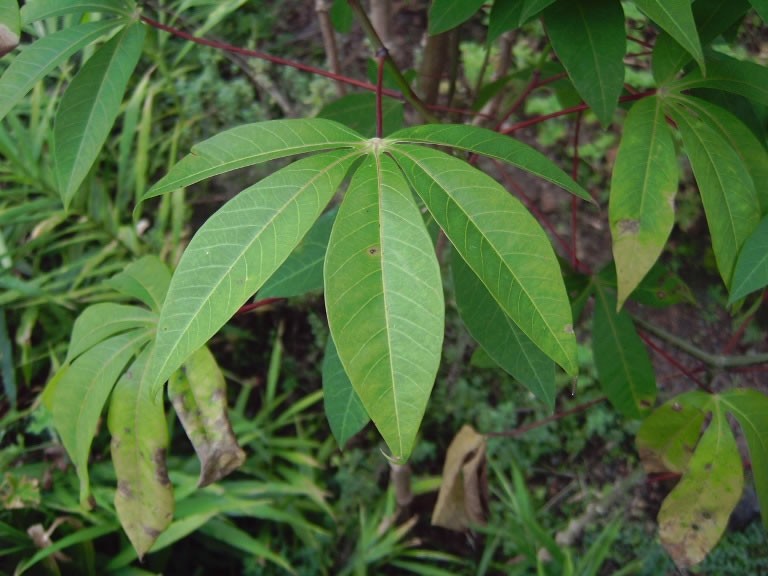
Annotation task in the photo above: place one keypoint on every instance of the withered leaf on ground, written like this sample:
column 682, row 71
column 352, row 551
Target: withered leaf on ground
column 462, row 500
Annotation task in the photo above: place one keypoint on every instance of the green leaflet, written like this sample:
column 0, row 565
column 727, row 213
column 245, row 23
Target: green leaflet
column 750, row 408
column 712, row 17
column 589, row 38
column 384, row 299
column 623, row 366
column 342, row 16
column 532, row 8
column 447, row 14
column 228, row 533
column 104, row 320
column 343, row 408
column 504, row 16
column 144, row 496
column 303, row 271
column 199, row 395
column 237, row 250
column 730, row 75
column 35, row 61
column 676, row 19
column 90, row 106
column 7, row 369
column 494, row 145
column 358, row 111
column 761, row 7
column 695, row 514
column 10, row 26
column 667, row 438
column 642, row 200
column 499, row 336
column 502, row 243
column 727, row 191
column 743, row 141
column 147, row 280
column 252, row 144
column 80, row 395
column 751, row 271
column 35, row 10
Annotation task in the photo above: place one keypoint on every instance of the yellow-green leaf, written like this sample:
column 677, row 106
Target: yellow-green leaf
column 642, row 200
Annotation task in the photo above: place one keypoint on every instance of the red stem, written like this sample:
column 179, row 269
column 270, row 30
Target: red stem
column 640, row 41
column 267, row 57
column 520, row 430
column 381, row 57
column 532, row 85
column 574, row 205
column 571, row 110
column 245, row 308
column 666, row 356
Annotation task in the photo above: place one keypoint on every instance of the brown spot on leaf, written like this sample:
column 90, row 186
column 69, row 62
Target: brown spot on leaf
column 151, row 532
column 161, row 469
column 373, row 250
column 628, row 227
column 125, row 490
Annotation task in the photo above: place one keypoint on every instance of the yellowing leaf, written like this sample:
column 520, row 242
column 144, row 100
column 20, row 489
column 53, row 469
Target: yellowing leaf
column 643, row 187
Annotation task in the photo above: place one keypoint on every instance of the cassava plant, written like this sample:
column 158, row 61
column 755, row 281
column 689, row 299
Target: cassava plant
column 381, row 274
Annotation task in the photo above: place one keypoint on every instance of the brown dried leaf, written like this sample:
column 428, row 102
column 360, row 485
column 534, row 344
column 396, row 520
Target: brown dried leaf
column 463, row 496
column 198, row 393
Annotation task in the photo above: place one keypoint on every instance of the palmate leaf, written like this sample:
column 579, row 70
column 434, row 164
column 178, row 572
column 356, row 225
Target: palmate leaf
column 502, row 243
column 252, row 144
column 237, row 250
column 676, row 19
column 499, row 336
column 37, row 60
column 447, row 14
column 80, row 395
column 494, row 145
column 623, row 366
column 695, row 514
column 144, row 496
column 643, row 187
column 751, row 271
column 589, row 39
column 384, row 300
column 726, row 188
column 343, row 408
column 35, row 10
column 90, row 106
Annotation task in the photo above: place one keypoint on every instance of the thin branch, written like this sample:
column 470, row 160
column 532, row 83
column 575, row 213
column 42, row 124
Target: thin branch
column 671, row 360
column 713, row 360
column 329, row 41
column 245, row 308
column 571, row 110
column 407, row 92
column 268, row 57
column 520, row 430
column 574, row 204
column 381, row 57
